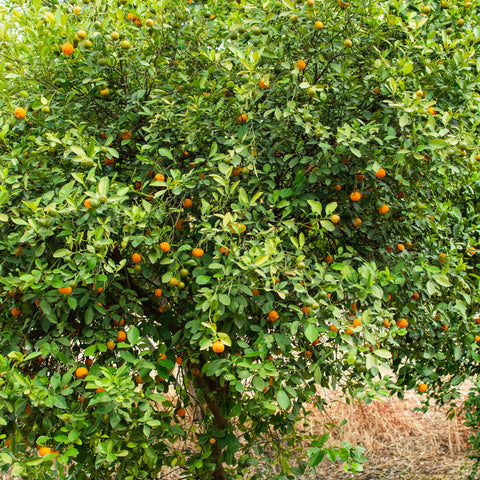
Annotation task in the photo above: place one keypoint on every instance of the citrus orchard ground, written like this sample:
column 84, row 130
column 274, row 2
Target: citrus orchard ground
column 272, row 196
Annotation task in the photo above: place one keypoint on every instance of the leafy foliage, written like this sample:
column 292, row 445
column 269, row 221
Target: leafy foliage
column 165, row 102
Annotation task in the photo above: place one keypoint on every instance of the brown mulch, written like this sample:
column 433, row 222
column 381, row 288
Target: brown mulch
column 401, row 443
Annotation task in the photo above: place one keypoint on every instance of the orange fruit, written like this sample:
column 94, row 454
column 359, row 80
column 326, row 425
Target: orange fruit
column 126, row 135
column 20, row 112
column 16, row 312
column 164, row 247
column 255, row 292
column 179, row 224
column 349, row 331
column 99, row 389
column 305, row 310
column 381, row 173
column 415, row 296
column 116, row 323
column 338, row 187
column 273, row 315
column 159, row 177
column 329, row 259
column 187, row 203
column 173, row 282
column 242, row 118
column 65, row 290
column 431, row 111
column 138, row 379
column 316, row 342
column 181, row 412
column 218, row 347
column 356, row 222
column 333, row 328
column 355, row 196
column 87, row 203
column 301, row 65
column 179, row 360
column 122, row 336
column 67, row 48
column 308, row 354
column 110, row 345
column 89, row 362
column 347, row 43
column 136, row 258
column 402, row 323
column 318, row 25
column 335, row 218
column 386, row 323
column 383, row 209
column 77, row 10
column 422, row 388
column 197, row 252
column 158, row 292
column 262, row 84
column 212, row 441
column 400, row 247
column 42, row 451
column 81, row 372
column 360, row 176
column 162, row 356
column 109, row 161
column 357, row 322
column 104, row 92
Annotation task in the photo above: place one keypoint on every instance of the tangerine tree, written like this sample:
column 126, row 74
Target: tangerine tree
column 210, row 211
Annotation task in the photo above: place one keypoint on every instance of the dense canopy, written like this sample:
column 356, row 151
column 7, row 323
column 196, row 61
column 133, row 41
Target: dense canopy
column 209, row 211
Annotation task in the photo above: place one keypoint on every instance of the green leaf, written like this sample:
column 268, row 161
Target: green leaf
column 90, row 350
column 311, row 333
column 377, row 291
column 431, row 288
column 242, row 196
column 224, row 299
column 164, row 152
column 133, row 335
column 382, row 353
column 330, row 208
column 103, row 186
column 127, row 356
column 407, row 68
column 404, row 120
column 224, row 338
column 370, row 361
column 327, row 225
column 316, row 206
column 258, row 383
column 65, row 191
column 203, row 280
column 6, row 458
column 282, row 399
column 61, row 253
column 442, row 280
column 261, row 260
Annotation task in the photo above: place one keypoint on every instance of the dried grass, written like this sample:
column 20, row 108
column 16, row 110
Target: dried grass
column 400, row 443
